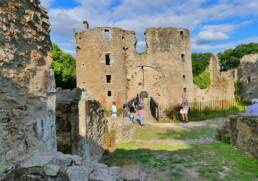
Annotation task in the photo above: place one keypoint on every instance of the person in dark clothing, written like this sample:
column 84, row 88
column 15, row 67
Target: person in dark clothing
column 132, row 112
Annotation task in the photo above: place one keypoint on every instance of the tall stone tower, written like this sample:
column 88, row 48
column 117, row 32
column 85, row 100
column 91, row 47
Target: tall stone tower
column 101, row 67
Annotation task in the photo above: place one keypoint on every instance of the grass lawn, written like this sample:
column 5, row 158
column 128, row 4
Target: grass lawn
column 165, row 160
column 150, row 132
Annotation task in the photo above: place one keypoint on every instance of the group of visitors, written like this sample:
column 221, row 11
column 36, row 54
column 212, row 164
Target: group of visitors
column 136, row 105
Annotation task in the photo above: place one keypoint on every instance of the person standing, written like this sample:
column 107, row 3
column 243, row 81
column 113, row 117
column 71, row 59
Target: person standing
column 185, row 107
column 114, row 110
column 141, row 115
column 132, row 112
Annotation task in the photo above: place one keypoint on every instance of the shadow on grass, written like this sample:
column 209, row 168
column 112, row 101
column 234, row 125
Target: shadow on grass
column 153, row 133
column 186, row 133
column 209, row 162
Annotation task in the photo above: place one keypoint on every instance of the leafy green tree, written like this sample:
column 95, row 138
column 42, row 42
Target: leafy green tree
column 230, row 58
column 64, row 66
column 202, row 80
column 200, row 61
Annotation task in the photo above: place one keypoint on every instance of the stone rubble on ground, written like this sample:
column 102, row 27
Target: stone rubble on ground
column 56, row 166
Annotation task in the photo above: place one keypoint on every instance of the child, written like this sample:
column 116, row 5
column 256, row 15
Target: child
column 132, row 111
column 114, row 110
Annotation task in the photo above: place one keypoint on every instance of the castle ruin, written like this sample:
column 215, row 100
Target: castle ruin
column 111, row 70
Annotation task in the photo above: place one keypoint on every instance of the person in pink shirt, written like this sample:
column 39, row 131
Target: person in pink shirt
column 141, row 112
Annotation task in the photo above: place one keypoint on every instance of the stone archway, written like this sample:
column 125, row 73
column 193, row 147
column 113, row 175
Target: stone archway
column 144, row 78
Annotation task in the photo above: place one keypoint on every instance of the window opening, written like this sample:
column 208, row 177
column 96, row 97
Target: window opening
column 108, row 78
column 109, row 93
column 106, row 35
column 107, row 59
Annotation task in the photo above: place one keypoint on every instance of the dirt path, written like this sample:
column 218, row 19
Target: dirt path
column 212, row 122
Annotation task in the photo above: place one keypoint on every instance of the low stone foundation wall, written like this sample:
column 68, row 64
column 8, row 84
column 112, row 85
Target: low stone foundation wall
column 56, row 166
column 241, row 131
column 92, row 124
column 122, row 128
column 67, row 119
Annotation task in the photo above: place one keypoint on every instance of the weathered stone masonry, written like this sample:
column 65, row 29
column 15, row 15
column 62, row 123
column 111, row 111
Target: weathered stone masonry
column 80, row 124
column 27, row 87
column 241, row 131
column 110, row 69
column 27, row 105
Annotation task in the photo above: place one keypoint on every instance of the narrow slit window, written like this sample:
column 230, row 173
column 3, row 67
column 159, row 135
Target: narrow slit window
column 106, row 35
column 248, row 79
column 109, row 93
column 183, row 57
column 108, row 78
column 107, row 59
column 42, row 128
column 184, row 76
column 182, row 35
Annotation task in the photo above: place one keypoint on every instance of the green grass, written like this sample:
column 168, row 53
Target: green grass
column 208, row 161
column 151, row 132
column 196, row 115
column 202, row 80
column 165, row 160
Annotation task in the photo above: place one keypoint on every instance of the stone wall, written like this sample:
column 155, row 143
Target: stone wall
column 59, row 167
column 122, row 128
column 247, row 74
column 67, row 119
column 241, row 131
column 27, row 87
column 163, row 70
column 80, row 124
column 92, row 124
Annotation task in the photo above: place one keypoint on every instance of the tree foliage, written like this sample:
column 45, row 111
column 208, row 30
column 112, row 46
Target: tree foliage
column 202, row 80
column 200, row 61
column 64, row 66
column 230, row 58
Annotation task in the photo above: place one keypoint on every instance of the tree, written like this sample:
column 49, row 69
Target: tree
column 200, row 61
column 64, row 66
column 230, row 58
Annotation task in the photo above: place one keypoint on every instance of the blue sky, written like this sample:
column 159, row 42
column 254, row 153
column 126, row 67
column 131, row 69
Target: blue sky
column 215, row 25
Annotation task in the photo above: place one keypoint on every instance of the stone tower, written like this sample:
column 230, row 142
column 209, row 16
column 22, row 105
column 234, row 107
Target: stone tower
column 110, row 69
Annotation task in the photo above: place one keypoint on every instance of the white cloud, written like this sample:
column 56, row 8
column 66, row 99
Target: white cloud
column 213, row 33
column 46, row 3
column 139, row 15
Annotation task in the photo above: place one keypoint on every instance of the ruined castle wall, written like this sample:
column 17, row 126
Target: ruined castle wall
column 92, row 124
column 27, row 87
column 166, row 65
column 248, row 76
column 67, row 119
column 241, row 131
column 221, row 87
column 92, row 49
column 163, row 70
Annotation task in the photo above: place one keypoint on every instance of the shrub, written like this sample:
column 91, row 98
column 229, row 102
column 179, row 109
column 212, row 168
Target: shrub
column 173, row 112
column 110, row 139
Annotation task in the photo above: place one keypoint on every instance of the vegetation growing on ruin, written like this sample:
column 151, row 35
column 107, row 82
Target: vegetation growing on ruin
column 197, row 115
column 202, row 80
column 64, row 66
column 230, row 58
column 200, row 61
